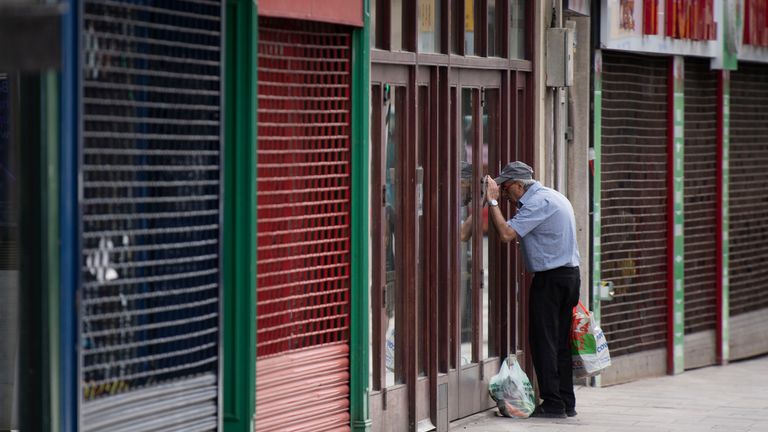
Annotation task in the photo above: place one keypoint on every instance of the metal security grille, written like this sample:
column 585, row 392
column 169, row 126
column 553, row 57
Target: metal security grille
column 700, row 193
column 748, row 204
column 634, row 201
column 304, row 194
column 149, row 329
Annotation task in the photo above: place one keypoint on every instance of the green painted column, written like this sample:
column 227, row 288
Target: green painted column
column 361, row 70
column 723, row 131
column 597, row 124
column 239, row 248
column 676, row 269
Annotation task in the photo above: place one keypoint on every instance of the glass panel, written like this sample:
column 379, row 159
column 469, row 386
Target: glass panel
column 517, row 29
column 429, row 26
column 492, row 42
column 396, row 25
column 392, row 356
column 469, row 27
column 490, row 138
column 465, row 217
column 454, row 308
column 421, row 292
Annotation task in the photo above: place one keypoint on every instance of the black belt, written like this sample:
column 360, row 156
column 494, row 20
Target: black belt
column 559, row 270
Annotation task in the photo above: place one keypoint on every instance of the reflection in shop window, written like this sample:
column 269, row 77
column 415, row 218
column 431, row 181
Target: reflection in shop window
column 396, row 25
column 517, row 29
column 392, row 356
column 429, row 26
column 469, row 27
column 466, row 220
column 492, row 43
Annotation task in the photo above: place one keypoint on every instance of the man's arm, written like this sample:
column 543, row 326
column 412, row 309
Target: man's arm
column 506, row 232
column 466, row 229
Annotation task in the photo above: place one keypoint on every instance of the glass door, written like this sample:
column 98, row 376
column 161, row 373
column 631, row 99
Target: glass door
column 476, row 143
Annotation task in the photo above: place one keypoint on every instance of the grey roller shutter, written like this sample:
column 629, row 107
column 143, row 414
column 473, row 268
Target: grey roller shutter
column 150, row 215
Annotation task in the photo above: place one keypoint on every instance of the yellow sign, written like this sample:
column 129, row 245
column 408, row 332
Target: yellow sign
column 426, row 16
column 469, row 15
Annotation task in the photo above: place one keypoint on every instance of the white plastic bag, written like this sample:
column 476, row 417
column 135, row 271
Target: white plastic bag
column 589, row 349
column 512, row 390
column 389, row 352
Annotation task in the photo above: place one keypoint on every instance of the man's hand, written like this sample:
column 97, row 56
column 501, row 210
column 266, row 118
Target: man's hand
column 492, row 190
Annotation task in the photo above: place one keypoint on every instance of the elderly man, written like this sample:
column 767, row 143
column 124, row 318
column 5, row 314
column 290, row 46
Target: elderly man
column 546, row 226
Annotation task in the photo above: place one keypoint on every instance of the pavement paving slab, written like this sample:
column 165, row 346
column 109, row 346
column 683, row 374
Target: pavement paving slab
column 733, row 397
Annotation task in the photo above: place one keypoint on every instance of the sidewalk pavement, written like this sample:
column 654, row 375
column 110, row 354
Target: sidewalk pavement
column 732, row 398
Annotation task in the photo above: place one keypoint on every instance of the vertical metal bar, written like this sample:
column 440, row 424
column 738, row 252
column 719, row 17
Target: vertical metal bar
column 432, row 224
column 458, row 26
column 503, row 262
column 409, row 215
column 596, row 252
column 445, row 20
column 444, row 243
column 69, row 250
column 378, row 284
column 410, row 26
column 223, row 172
column 723, row 149
column 34, row 399
column 481, row 28
column 239, row 190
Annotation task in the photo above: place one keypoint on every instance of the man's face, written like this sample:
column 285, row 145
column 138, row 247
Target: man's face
column 466, row 193
column 512, row 190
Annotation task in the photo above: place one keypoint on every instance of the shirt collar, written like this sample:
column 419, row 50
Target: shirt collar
column 529, row 193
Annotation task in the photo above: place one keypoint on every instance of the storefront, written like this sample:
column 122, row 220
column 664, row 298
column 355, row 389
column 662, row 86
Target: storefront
column 451, row 101
column 658, row 180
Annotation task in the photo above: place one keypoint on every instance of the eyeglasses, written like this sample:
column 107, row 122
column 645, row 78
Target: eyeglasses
column 507, row 186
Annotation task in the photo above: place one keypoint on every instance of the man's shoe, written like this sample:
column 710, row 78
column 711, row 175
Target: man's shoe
column 542, row 413
column 571, row 413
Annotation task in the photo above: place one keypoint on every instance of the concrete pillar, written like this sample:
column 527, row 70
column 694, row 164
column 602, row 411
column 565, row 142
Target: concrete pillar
column 578, row 148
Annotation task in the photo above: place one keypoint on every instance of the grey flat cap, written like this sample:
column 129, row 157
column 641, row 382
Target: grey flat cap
column 466, row 170
column 515, row 171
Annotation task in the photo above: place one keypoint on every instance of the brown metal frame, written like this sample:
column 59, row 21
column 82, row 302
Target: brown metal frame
column 445, row 73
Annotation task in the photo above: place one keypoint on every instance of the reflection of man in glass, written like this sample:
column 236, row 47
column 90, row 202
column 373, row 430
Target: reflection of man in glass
column 466, row 200
column 465, row 260
column 390, row 223
column 546, row 226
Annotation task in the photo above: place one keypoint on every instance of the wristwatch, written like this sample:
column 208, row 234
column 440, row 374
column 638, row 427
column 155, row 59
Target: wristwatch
column 493, row 203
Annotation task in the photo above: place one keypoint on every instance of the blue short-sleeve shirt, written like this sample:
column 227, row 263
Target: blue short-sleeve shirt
column 546, row 226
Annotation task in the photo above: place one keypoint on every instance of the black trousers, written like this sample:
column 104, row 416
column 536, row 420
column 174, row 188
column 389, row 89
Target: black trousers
column 553, row 295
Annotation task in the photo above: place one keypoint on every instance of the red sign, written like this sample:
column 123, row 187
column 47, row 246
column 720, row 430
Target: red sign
column 650, row 17
column 756, row 22
column 691, row 19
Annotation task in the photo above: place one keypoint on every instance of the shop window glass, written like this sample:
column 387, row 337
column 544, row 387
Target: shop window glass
column 396, row 25
column 469, row 27
column 517, row 29
column 429, row 26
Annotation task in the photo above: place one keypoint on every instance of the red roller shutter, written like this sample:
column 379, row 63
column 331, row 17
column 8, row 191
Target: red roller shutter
column 634, row 201
column 303, row 280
